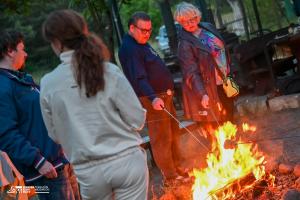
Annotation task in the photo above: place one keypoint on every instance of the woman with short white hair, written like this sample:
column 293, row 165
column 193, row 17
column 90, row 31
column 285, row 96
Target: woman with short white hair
column 185, row 11
column 201, row 51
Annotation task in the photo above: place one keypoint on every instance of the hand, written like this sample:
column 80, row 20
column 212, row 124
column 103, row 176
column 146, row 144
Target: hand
column 48, row 170
column 158, row 104
column 205, row 101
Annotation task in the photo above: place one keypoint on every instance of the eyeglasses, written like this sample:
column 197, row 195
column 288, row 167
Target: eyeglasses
column 190, row 21
column 144, row 31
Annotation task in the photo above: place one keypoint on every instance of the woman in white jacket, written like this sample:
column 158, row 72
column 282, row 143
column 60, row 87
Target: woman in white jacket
column 90, row 108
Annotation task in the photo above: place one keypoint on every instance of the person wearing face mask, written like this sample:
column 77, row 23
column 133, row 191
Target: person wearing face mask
column 153, row 84
column 23, row 135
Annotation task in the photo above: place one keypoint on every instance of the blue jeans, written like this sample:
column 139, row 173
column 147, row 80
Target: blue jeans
column 64, row 187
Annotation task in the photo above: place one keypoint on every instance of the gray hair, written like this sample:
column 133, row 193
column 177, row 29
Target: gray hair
column 186, row 10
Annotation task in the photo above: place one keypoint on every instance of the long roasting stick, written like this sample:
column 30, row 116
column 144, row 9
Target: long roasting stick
column 228, row 144
column 186, row 129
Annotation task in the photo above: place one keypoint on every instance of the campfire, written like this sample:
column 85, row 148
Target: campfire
column 228, row 171
column 235, row 169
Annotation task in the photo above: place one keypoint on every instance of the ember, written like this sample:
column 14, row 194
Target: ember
column 247, row 127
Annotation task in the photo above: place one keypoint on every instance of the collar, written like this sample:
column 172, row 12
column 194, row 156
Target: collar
column 131, row 39
column 21, row 77
column 66, row 57
column 187, row 36
column 13, row 73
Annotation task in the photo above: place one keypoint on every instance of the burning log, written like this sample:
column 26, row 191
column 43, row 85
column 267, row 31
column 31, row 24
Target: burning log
column 234, row 188
column 229, row 171
column 230, row 144
column 245, row 184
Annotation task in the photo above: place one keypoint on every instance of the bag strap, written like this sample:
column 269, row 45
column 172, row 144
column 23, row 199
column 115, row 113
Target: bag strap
column 19, row 177
column 212, row 30
column 219, row 71
column 14, row 169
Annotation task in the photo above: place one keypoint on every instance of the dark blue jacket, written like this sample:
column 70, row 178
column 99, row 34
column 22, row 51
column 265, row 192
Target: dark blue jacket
column 144, row 69
column 23, row 135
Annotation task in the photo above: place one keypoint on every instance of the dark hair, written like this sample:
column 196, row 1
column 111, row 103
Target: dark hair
column 140, row 15
column 9, row 40
column 70, row 29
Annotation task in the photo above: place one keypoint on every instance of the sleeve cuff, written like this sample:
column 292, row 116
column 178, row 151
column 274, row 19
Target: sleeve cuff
column 38, row 161
column 152, row 97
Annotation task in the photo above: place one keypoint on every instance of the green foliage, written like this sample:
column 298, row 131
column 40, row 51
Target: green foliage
column 272, row 14
column 28, row 16
column 149, row 6
column 15, row 6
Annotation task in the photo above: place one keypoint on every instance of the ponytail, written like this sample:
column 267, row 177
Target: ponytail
column 89, row 61
column 70, row 29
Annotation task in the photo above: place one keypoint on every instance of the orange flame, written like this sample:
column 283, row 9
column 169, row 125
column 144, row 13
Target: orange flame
column 224, row 166
column 247, row 127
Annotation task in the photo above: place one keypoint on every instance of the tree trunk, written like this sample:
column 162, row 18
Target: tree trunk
column 201, row 4
column 218, row 13
column 102, row 18
column 257, row 17
column 245, row 20
column 166, row 12
column 116, row 20
column 238, row 25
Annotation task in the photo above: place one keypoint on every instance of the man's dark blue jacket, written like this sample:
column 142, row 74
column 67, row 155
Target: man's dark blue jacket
column 23, row 135
column 144, row 69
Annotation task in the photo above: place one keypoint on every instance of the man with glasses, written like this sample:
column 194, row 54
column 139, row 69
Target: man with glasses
column 153, row 84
